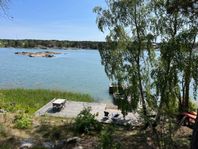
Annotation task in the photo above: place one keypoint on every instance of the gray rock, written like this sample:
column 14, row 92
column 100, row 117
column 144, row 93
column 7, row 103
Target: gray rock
column 25, row 145
column 60, row 144
column 2, row 111
column 78, row 147
column 38, row 54
column 49, row 55
column 48, row 145
column 73, row 140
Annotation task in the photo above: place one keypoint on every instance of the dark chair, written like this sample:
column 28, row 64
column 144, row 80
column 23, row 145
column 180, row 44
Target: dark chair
column 115, row 117
column 106, row 114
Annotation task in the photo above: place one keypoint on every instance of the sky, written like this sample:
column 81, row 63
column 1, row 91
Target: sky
column 51, row 19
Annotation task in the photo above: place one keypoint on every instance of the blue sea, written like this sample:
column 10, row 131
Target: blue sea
column 73, row 70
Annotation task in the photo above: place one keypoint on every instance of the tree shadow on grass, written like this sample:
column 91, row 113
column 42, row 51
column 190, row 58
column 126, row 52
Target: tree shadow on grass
column 53, row 133
column 145, row 139
column 138, row 140
column 9, row 143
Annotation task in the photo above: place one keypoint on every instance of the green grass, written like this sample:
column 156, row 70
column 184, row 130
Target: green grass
column 30, row 100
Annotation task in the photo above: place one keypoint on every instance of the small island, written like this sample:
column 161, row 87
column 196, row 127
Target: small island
column 38, row 54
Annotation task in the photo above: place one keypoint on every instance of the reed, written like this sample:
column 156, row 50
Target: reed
column 30, row 100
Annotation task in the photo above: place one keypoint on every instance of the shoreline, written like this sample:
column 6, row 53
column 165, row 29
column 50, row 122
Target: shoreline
column 30, row 100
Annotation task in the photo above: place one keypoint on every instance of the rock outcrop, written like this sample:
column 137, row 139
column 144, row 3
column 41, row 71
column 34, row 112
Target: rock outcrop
column 38, row 54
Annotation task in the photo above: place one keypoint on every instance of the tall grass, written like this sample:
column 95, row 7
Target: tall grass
column 30, row 100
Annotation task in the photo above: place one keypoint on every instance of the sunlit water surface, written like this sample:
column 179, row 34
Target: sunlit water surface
column 72, row 70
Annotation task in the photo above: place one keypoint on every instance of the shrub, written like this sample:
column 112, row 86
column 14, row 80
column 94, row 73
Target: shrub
column 192, row 106
column 106, row 139
column 2, row 131
column 22, row 121
column 86, row 122
column 6, row 146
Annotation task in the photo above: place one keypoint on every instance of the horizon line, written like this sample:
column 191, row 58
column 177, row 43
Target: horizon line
column 52, row 39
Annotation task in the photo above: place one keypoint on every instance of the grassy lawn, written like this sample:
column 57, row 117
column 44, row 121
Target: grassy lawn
column 31, row 100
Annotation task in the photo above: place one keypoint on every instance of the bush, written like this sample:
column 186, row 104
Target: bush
column 192, row 106
column 86, row 122
column 22, row 121
column 106, row 139
column 6, row 146
column 2, row 131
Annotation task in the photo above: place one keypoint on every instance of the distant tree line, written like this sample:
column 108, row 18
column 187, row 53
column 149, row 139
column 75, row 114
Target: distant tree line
column 29, row 43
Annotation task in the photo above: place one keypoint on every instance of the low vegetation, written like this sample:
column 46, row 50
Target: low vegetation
column 2, row 130
column 85, row 122
column 30, row 100
column 106, row 139
column 22, row 121
column 19, row 124
column 16, row 127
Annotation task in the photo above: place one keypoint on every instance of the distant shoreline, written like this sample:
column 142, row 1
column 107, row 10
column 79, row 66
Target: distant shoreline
column 58, row 44
column 50, row 44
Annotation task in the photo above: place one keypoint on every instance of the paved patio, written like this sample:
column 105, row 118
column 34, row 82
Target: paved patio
column 73, row 108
